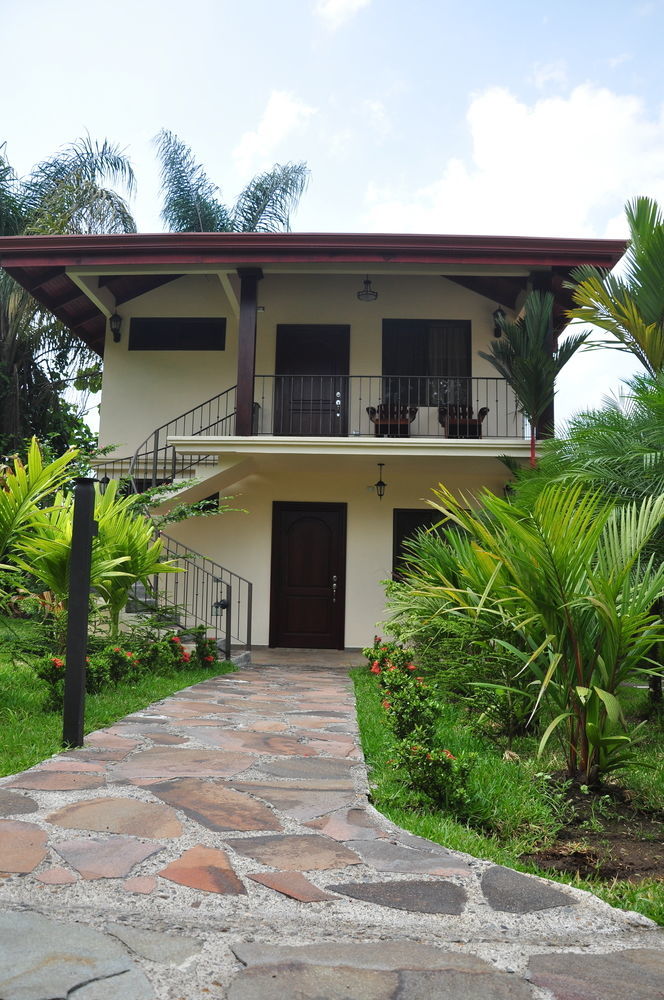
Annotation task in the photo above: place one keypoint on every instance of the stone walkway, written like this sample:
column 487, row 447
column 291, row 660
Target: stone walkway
column 220, row 845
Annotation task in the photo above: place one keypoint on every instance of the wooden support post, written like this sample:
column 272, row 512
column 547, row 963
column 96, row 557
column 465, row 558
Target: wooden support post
column 78, row 606
column 246, row 351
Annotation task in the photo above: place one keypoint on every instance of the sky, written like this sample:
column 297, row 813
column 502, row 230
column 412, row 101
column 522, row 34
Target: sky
column 511, row 118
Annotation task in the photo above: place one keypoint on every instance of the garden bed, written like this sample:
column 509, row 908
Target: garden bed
column 32, row 730
column 608, row 841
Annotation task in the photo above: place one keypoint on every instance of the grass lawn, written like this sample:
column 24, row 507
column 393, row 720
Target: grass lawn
column 29, row 733
column 523, row 815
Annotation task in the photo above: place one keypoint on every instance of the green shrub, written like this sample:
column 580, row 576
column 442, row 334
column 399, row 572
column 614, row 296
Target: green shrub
column 436, row 773
column 206, row 648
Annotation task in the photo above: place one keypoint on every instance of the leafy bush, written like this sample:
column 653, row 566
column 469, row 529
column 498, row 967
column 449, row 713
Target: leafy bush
column 436, row 773
column 113, row 664
column 206, row 648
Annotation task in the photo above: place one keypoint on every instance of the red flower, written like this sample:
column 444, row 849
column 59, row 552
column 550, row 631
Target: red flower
column 209, row 659
column 186, row 656
column 411, row 666
column 450, row 756
column 175, row 638
column 117, row 649
column 386, row 704
column 57, row 662
column 392, row 667
column 376, row 669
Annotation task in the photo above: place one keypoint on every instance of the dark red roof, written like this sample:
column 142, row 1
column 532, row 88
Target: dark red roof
column 38, row 262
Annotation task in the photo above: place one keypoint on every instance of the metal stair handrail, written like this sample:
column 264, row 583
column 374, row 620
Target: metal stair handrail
column 207, row 594
column 155, row 461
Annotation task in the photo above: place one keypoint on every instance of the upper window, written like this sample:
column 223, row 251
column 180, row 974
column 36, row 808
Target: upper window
column 428, row 361
column 179, row 334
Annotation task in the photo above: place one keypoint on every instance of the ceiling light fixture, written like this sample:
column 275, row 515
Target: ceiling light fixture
column 367, row 294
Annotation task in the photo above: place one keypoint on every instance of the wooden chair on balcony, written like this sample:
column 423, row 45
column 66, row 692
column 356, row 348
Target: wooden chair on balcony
column 392, row 419
column 459, row 422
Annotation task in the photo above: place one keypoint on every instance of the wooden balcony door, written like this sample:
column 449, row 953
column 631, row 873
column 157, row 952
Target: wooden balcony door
column 308, row 575
column 311, row 390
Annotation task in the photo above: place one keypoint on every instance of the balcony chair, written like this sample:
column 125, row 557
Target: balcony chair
column 392, row 419
column 459, row 422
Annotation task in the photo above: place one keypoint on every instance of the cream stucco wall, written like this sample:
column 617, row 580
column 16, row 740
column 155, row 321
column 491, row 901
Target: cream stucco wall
column 143, row 389
column 242, row 542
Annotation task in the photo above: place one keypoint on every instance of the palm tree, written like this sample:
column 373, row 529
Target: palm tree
column 630, row 308
column 191, row 203
column 65, row 193
column 525, row 357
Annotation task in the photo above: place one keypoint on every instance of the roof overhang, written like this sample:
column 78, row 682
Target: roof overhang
column 56, row 270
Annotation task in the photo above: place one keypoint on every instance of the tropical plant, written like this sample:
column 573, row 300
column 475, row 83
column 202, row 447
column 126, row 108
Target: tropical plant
column 569, row 577
column 526, row 357
column 191, row 202
column 630, row 308
column 124, row 550
column 39, row 357
column 24, row 488
column 125, row 534
column 618, row 450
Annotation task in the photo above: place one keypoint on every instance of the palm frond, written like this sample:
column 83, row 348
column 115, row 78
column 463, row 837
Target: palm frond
column 60, row 189
column 191, row 204
column 267, row 202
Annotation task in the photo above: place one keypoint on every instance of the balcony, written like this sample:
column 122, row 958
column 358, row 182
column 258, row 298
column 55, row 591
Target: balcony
column 394, row 406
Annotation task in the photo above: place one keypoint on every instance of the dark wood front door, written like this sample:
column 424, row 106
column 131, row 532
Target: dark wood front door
column 311, row 391
column 308, row 575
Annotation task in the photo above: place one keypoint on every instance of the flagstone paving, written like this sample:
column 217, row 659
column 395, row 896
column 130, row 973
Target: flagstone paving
column 224, row 848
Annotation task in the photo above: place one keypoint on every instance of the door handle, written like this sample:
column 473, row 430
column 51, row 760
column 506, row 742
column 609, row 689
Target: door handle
column 334, row 589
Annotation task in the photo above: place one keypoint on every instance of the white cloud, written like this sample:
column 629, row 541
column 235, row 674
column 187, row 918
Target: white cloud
column 615, row 61
column 545, row 74
column 334, row 13
column 375, row 115
column 283, row 115
column 551, row 168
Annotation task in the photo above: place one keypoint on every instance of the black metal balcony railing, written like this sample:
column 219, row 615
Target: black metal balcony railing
column 385, row 406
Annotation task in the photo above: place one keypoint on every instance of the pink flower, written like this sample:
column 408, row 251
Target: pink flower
column 376, row 669
column 411, row 666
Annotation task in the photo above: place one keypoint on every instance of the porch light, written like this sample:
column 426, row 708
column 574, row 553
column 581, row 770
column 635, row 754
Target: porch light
column 499, row 318
column 103, row 483
column 115, row 323
column 380, row 485
column 367, row 294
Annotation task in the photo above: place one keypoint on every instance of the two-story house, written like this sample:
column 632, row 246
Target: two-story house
column 326, row 382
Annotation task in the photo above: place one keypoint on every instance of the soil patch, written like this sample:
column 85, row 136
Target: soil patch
column 607, row 839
